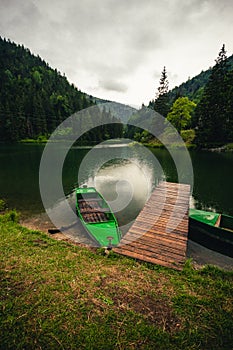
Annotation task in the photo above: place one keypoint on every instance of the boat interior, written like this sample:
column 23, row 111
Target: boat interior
column 92, row 210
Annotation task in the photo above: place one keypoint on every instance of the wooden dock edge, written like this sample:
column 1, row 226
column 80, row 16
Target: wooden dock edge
column 160, row 232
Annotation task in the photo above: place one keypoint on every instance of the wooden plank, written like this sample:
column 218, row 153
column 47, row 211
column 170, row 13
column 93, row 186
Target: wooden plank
column 151, row 211
column 179, row 244
column 158, row 212
column 161, row 246
column 153, row 231
column 174, row 189
column 154, row 260
column 146, row 254
column 169, row 196
column 159, row 233
column 169, row 204
column 153, row 218
column 156, row 251
column 175, row 193
column 161, row 204
column 172, row 219
column 161, row 225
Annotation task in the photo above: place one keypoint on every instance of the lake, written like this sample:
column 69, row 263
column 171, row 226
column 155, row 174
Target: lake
column 124, row 174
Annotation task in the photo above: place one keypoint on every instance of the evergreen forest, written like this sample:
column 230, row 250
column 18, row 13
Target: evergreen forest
column 203, row 106
column 35, row 99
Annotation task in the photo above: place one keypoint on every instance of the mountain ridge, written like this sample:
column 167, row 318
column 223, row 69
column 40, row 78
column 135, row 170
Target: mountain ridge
column 34, row 98
column 193, row 88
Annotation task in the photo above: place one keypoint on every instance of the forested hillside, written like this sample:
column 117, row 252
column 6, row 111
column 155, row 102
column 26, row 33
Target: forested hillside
column 194, row 87
column 34, row 98
column 202, row 108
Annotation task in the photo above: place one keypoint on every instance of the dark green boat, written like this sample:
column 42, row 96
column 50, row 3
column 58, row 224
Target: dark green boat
column 212, row 230
column 97, row 217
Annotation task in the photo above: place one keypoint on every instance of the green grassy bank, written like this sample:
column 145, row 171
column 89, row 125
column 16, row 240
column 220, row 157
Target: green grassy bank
column 55, row 295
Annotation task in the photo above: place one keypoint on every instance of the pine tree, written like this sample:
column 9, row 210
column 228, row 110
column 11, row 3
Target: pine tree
column 161, row 98
column 221, row 56
column 229, row 111
column 34, row 98
column 163, row 84
column 212, row 110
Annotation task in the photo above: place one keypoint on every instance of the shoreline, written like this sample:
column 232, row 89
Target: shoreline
column 228, row 147
column 200, row 255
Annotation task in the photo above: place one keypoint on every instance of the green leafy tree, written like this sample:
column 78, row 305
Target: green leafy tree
column 181, row 113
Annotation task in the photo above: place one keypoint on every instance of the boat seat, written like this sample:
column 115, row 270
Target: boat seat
column 90, row 200
column 94, row 217
column 94, row 210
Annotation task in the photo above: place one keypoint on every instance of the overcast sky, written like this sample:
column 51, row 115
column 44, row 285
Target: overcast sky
column 116, row 49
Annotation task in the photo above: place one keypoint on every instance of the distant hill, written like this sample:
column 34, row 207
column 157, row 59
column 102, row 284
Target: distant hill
column 211, row 120
column 193, row 88
column 34, row 98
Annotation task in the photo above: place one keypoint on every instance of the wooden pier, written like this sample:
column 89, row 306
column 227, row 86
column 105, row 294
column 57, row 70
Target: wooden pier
column 160, row 232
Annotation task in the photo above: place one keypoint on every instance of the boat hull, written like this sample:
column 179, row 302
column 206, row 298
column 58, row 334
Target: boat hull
column 219, row 239
column 97, row 217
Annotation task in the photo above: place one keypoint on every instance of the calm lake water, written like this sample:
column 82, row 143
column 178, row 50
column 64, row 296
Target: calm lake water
column 125, row 175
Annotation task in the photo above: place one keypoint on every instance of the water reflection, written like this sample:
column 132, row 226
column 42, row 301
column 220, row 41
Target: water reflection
column 125, row 176
column 129, row 171
column 126, row 185
column 213, row 181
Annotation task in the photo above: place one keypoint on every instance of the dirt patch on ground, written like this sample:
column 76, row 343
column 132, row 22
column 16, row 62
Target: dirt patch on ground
column 40, row 222
column 156, row 311
column 74, row 234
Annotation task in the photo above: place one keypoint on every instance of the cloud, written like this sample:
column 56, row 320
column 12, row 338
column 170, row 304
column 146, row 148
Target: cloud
column 121, row 46
column 113, row 85
column 19, row 19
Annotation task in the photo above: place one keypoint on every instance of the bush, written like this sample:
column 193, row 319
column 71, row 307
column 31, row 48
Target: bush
column 229, row 147
column 188, row 135
column 2, row 205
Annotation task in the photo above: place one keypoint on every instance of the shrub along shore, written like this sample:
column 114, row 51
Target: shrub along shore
column 58, row 295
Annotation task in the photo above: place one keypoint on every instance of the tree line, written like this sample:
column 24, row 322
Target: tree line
column 210, row 114
column 34, row 98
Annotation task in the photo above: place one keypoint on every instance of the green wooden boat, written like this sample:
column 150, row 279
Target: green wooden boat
column 97, row 217
column 212, row 230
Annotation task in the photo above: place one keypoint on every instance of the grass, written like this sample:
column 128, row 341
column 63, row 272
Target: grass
column 56, row 295
column 39, row 139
